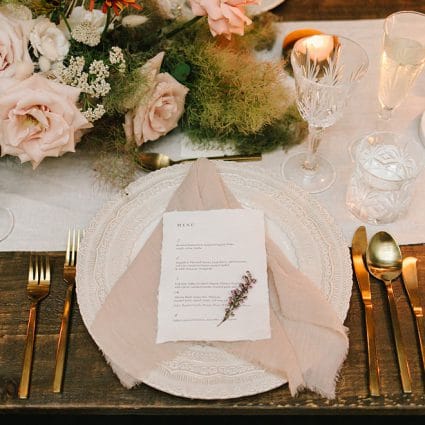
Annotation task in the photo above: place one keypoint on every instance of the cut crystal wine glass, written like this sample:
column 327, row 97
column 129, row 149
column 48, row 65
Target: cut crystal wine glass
column 326, row 69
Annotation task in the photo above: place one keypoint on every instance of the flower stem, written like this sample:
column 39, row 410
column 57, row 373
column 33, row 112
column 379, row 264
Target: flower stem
column 182, row 27
column 71, row 7
column 238, row 296
column 108, row 21
column 65, row 20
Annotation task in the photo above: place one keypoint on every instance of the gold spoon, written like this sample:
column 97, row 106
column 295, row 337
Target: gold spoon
column 384, row 261
column 152, row 161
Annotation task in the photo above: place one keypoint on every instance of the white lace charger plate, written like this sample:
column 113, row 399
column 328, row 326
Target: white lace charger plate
column 294, row 220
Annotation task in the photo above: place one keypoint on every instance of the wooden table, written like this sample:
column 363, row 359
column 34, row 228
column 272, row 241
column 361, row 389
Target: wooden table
column 92, row 388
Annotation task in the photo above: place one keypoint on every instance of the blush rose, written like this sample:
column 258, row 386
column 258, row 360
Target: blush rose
column 159, row 111
column 225, row 17
column 15, row 61
column 39, row 118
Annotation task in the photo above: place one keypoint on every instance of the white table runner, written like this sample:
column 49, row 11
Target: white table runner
column 64, row 192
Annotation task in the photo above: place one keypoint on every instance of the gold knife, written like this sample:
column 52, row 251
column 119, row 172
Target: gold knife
column 410, row 280
column 358, row 252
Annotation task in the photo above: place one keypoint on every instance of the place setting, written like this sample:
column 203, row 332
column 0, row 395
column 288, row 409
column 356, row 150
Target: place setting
column 216, row 238
column 110, row 246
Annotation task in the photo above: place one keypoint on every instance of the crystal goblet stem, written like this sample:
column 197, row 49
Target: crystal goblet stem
column 309, row 169
column 314, row 139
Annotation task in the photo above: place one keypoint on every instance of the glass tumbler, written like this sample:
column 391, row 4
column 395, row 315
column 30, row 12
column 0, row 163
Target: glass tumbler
column 381, row 186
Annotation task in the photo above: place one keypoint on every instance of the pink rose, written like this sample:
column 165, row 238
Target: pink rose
column 160, row 110
column 15, row 61
column 39, row 118
column 225, row 17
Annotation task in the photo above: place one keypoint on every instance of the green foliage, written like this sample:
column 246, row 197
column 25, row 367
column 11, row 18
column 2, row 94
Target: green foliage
column 232, row 92
column 127, row 91
column 38, row 7
column 115, row 157
column 181, row 72
column 261, row 35
column 234, row 100
column 285, row 132
column 108, row 136
column 142, row 38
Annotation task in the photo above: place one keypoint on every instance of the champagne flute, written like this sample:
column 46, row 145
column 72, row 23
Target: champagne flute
column 326, row 69
column 402, row 59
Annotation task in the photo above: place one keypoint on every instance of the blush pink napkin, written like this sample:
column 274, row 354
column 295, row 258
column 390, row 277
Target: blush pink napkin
column 308, row 344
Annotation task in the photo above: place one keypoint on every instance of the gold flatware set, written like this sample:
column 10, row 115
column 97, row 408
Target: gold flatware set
column 382, row 259
column 38, row 288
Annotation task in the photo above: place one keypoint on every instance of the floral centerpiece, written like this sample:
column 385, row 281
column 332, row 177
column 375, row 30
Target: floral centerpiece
column 117, row 74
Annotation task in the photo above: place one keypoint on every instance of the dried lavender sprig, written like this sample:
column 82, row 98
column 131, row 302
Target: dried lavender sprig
column 238, row 295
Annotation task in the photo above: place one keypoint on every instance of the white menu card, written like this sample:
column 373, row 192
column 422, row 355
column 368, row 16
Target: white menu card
column 205, row 255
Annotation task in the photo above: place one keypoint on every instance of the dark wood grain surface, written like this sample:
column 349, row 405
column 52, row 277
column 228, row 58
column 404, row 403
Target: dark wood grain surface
column 91, row 387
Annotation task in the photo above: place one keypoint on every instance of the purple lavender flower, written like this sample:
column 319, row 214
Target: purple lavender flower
column 238, row 295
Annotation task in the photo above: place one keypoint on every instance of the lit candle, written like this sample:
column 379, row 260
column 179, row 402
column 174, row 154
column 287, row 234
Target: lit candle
column 319, row 47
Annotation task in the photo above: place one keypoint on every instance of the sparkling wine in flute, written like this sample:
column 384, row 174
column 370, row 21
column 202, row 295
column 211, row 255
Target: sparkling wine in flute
column 402, row 61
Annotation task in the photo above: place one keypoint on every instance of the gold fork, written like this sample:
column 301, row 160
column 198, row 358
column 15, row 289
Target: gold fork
column 37, row 288
column 72, row 247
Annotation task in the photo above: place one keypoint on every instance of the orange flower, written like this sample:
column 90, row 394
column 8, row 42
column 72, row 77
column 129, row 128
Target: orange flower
column 117, row 5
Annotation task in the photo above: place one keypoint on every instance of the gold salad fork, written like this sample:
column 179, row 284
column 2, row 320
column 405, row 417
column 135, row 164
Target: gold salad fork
column 72, row 247
column 37, row 288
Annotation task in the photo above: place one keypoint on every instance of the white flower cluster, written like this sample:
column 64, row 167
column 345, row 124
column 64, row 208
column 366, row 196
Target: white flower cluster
column 98, row 86
column 116, row 57
column 73, row 74
column 92, row 83
column 86, row 33
column 93, row 114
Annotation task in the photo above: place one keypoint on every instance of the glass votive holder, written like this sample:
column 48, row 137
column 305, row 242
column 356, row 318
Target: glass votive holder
column 381, row 186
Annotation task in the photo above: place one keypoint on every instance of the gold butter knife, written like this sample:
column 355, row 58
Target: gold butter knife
column 410, row 280
column 358, row 252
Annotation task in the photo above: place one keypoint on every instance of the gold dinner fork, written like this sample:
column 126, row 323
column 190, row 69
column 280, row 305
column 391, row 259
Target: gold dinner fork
column 69, row 271
column 37, row 288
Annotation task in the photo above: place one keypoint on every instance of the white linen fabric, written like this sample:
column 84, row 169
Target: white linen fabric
column 63, row 192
